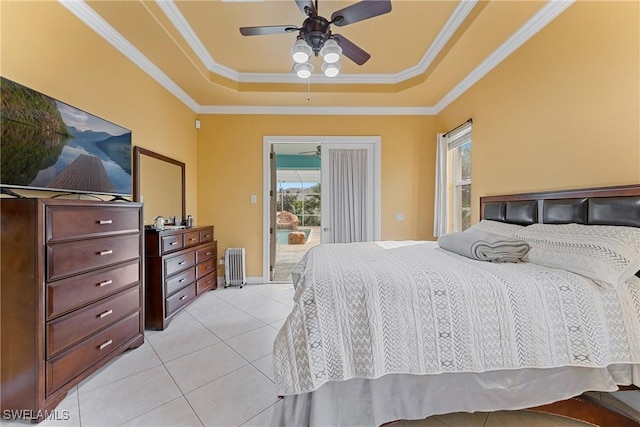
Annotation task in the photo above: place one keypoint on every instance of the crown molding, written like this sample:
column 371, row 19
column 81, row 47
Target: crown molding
column 546, row 14
column 318, row 78
column 94, row 21
column 178, row 20
column 449, row 29
column 317, row 111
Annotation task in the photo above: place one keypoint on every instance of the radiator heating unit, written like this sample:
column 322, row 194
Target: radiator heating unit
column 235, row 269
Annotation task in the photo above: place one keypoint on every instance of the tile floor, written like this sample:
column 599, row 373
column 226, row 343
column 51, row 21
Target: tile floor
column 212, row 366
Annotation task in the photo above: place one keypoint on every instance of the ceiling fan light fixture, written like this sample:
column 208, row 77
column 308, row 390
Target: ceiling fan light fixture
column 331, row 51
column 301, row 51
column 331, row 69
column 303, row 70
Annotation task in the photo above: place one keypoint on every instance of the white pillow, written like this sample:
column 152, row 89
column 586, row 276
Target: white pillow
column 496, row 227
column 606, row 253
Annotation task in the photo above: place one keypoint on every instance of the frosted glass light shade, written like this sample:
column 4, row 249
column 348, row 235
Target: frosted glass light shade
column 331, row 51
column 301, row 51
column 331, row 70
column 303, row 70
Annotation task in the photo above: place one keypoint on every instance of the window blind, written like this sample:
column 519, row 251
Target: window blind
column 459, row 136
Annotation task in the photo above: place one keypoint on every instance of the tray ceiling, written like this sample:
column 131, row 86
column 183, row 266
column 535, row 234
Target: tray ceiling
column 423, row 53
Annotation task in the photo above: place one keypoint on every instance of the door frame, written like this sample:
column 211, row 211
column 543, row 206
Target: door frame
column 268, row 141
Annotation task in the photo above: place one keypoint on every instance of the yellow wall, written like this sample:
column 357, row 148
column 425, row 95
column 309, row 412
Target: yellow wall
column 561, row 112
column 46, row 48
column 230, row 160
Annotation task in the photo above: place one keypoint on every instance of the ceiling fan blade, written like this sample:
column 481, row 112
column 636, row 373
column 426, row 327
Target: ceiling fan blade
column 352, row 51
column 360, row 11
column 307, row 7
column 261, row 31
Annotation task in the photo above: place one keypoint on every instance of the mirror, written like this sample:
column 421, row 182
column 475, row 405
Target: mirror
column 159, row 182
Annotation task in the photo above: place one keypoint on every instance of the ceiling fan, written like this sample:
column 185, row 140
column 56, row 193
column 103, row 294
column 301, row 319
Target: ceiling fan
column 316, row 30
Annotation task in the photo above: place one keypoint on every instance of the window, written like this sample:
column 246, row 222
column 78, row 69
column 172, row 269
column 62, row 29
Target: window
column 302, row 200
column 453, row 181
column 461, row 186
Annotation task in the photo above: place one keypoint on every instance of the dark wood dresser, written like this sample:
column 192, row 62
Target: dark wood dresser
column 180, row 265
column 71, row 295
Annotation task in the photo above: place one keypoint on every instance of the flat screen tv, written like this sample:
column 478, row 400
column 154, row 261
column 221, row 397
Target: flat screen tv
column 49, row 145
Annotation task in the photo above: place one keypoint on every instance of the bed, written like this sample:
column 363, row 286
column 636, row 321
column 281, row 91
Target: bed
column 386, row 331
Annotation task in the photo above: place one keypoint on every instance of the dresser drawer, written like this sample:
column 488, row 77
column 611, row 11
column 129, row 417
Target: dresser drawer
column 64, row 295
column 73, row 222
column 206, row 268
column 68, row 330
column 179, row 299
column 72, row 362
column 178, row 263
column 206, row 235
column 205, row 253
column 210, row 281
column 65, row 259
column 171, row 243
column 180, row 280
column 191, row 239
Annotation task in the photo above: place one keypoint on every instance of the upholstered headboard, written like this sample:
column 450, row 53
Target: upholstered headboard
column 596, row 206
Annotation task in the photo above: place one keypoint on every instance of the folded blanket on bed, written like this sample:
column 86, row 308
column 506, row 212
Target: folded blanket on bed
column 484, row 246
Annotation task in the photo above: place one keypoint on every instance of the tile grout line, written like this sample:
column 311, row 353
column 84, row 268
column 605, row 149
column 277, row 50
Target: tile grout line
column 265, row 409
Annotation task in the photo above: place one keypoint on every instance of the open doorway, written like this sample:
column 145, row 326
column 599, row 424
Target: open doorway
column 297, row 205
column 295, row 196
column 298, row 209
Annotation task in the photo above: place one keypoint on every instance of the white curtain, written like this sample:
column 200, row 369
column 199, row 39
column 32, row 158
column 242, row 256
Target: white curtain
column 440, row 216
column 348, row 186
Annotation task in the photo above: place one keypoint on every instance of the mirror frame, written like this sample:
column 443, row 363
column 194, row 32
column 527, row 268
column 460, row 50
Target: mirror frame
column 139, row 151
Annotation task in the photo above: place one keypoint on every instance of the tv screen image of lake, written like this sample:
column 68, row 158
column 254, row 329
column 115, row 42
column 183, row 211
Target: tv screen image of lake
column 47, row 144
column 91, row 159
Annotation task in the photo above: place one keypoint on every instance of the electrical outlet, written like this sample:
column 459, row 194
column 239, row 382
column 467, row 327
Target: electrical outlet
column 221, row 261
column 399, row 216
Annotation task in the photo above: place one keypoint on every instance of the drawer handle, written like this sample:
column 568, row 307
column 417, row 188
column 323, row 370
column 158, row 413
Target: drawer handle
column 105, row 314
column 182, row 262
column 105, row 283
column 108, row 252
column 208, row 267
column 207, row 235
column 173, row 243
column 183, row 297
column 181, row 280
column 105, row 345
column 105, row 221
column 208, row 253
column 192, row 239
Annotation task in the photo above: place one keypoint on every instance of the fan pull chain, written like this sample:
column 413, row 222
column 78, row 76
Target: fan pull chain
column 308, row 89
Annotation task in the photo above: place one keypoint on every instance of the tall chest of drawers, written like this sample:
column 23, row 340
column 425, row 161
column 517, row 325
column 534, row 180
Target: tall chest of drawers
column 72, row 296
column 180, row 266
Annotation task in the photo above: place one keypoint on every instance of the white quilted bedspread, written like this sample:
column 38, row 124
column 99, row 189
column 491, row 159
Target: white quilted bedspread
column 364, row 310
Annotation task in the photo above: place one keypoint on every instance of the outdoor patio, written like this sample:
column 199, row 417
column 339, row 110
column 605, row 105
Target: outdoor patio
column 287, row 256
